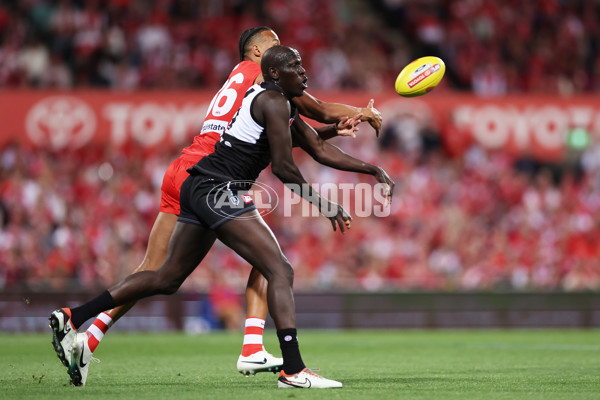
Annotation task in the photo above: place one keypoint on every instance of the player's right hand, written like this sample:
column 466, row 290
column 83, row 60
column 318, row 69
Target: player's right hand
column 373, row 116
column 348, row 126
column 338, row 216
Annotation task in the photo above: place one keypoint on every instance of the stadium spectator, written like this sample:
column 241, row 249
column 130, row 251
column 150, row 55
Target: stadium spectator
column 491, row 48
column 476, row 224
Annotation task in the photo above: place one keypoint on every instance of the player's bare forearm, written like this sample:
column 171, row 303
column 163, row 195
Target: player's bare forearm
column 327, row 132
column 327, row 113
column 274, row 112
column 344, row 127
column 326, row 153
column 332, row 156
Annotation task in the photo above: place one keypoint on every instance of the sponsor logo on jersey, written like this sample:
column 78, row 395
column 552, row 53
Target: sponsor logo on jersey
column 213, row 125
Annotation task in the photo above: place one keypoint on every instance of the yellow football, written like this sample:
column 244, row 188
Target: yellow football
column 420, row 76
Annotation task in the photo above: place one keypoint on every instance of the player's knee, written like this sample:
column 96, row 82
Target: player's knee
column 285, row 272
column 289, row 269
column 169, row 285
column 289, row 272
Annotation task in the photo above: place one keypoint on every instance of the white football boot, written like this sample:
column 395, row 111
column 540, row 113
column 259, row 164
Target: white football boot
column 80, row 360
column 306, row 379
column 63, row 335
column 261, row 361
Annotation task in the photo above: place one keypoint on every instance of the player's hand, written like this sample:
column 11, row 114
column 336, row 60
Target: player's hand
column 348, row 126
column 387, row 182
column 337, row 215
column 373, row 116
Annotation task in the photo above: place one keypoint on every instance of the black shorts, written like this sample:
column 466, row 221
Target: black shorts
column 210, row 203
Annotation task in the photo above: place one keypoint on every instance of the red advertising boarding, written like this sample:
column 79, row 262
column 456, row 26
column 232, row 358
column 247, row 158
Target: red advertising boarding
column 524, row 124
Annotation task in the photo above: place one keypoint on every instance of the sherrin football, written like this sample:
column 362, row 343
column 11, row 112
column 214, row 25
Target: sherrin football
column 420, row 76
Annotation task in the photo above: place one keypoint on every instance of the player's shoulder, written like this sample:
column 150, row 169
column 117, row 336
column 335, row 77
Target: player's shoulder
column 272, row 92
column 247, row 68
column 270, row 99
column 271, row 87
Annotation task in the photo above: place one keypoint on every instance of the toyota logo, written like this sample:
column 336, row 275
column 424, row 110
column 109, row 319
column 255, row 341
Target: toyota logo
column 61, row 121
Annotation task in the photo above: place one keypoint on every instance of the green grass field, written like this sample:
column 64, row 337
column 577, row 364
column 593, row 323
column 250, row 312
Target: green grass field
column 454, row 364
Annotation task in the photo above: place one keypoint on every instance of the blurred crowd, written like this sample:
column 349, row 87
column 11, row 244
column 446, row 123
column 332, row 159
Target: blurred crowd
column 510, row 46
column 81, row 219
column 492, row 48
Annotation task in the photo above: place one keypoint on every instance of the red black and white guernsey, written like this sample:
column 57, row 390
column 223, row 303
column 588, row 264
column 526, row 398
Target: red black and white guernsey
column 243, row 151
column 222, row 108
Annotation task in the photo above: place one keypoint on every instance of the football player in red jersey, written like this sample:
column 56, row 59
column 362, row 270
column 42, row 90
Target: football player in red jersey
column 253, row 43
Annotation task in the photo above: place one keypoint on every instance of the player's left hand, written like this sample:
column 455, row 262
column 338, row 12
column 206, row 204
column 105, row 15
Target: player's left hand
column 348, row 126
column 387, row 182
column 373, row 116
column 338, row 216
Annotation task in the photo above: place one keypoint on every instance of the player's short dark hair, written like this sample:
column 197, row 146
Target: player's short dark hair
column 247, row 36
column 276, row 56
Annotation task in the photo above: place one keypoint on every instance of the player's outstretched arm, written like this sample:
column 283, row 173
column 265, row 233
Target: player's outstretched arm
column 345, row 127
column 328, row 113
column 332, row 156
column 272, row 111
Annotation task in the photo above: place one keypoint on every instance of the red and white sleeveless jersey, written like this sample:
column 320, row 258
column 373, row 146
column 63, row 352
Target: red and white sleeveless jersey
column 223, row 107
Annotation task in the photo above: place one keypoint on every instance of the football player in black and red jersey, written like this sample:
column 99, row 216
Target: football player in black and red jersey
column 253, row 43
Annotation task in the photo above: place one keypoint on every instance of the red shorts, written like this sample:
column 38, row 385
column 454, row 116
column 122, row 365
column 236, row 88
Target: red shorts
column 172, row 181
